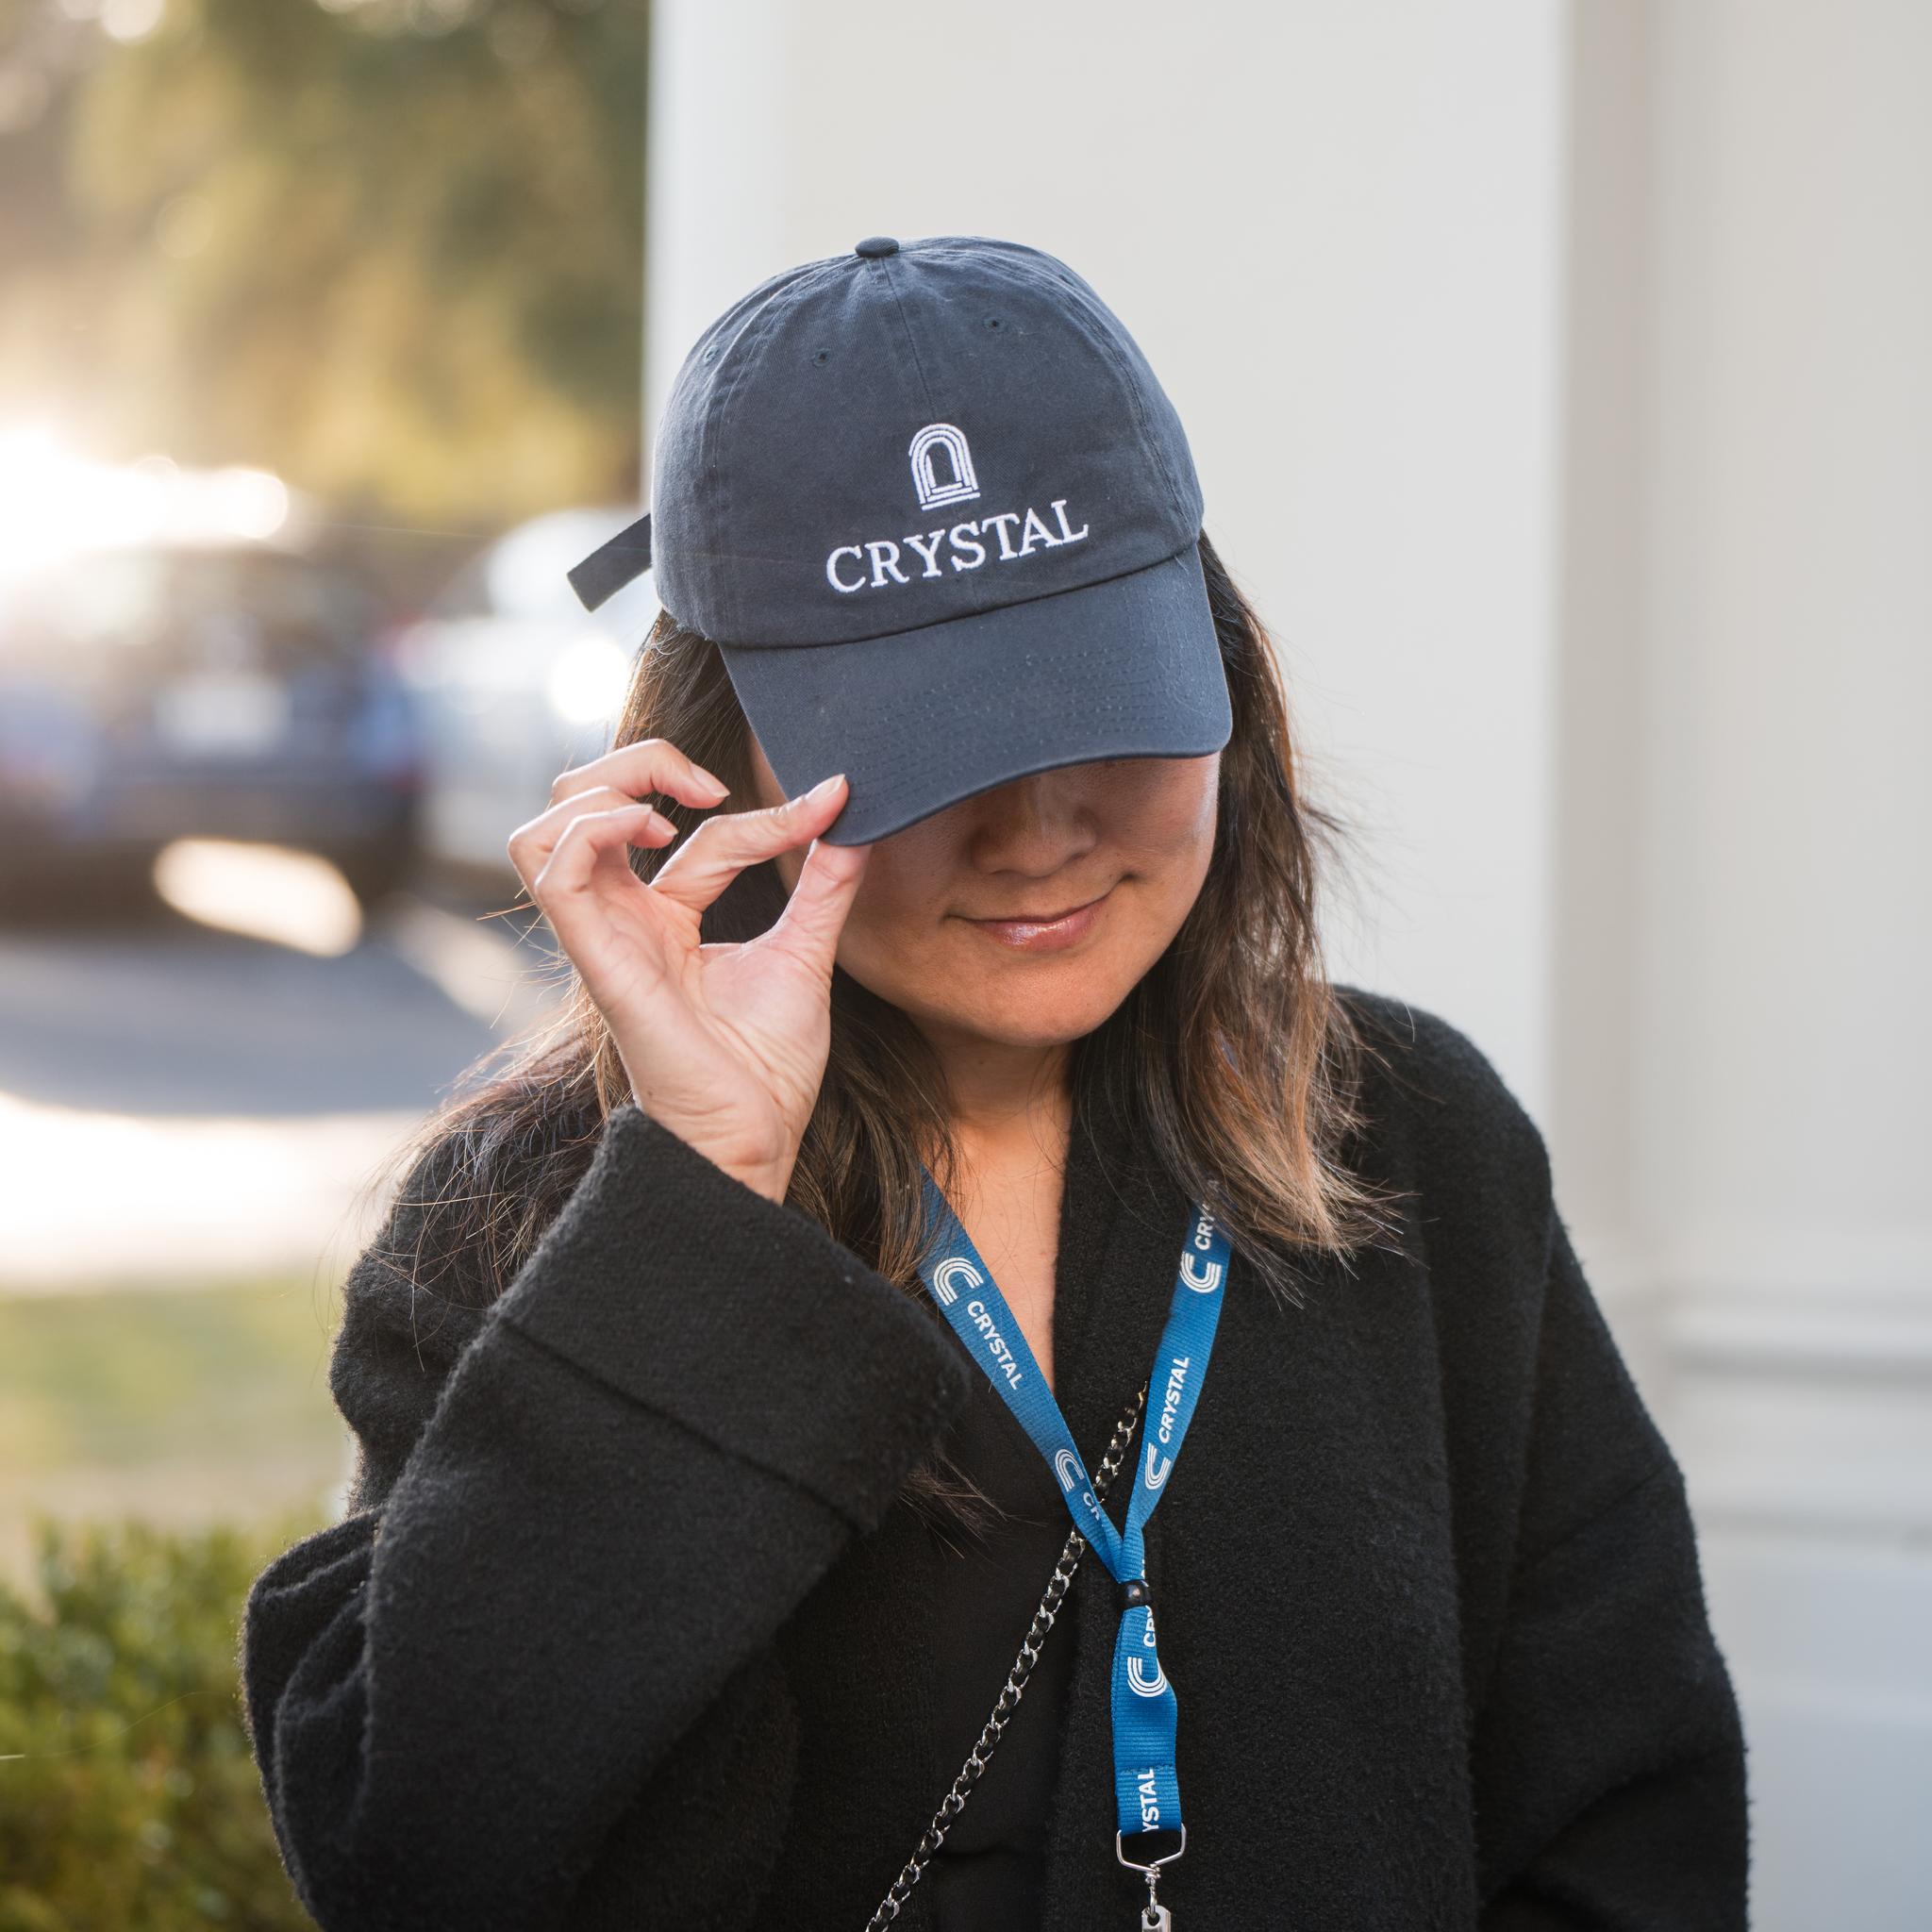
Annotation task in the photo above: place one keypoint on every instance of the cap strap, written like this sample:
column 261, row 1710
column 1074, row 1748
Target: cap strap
column 612, row 566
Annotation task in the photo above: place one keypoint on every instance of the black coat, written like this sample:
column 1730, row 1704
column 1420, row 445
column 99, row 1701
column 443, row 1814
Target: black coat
column 626, row 1622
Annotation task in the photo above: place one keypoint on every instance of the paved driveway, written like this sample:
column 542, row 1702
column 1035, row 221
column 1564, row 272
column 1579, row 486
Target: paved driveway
column 182, row 1103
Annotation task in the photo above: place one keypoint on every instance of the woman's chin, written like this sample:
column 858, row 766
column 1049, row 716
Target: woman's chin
column 1031, row 1016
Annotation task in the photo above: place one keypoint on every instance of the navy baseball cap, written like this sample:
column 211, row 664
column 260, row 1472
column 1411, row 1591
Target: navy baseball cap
column 939, row 518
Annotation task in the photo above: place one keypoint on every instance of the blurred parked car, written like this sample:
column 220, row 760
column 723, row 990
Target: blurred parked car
column 199, row 686
column 515, row 682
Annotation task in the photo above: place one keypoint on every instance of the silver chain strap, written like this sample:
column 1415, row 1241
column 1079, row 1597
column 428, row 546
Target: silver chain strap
column 981, row 1754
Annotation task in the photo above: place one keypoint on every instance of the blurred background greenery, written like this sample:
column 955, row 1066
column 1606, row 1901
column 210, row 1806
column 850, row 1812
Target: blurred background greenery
column 386, row 255
column 390, row 249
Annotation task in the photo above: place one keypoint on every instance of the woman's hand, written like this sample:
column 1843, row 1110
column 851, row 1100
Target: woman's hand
column 725, row 1045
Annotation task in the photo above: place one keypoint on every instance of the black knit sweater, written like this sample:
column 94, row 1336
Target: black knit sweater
column 626, row 1624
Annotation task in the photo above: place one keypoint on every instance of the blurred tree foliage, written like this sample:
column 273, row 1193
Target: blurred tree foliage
column 391, row 249
column 128, row 1790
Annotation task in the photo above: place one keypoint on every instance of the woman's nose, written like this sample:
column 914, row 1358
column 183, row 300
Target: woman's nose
column 1044, row 809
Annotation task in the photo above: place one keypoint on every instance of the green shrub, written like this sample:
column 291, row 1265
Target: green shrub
column 129, row 1801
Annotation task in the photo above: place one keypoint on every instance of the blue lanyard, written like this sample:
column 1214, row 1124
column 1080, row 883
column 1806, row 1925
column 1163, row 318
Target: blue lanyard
column 1146, row 1791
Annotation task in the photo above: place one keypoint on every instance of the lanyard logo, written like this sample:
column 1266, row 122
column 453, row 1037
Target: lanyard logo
column 953, row 1273
column 1203, row 1280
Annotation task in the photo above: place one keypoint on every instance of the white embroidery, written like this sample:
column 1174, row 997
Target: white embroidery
column 963, row 487
column 882, row 561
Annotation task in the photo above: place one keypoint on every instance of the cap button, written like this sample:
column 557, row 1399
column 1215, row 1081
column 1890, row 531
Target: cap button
column 876, row 244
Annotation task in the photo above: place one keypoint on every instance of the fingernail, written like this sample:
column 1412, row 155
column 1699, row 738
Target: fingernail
column 716, row 783
column 824, row 784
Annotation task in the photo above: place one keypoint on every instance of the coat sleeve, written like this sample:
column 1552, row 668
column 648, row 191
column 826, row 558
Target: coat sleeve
column 1607, row 1751
column 580, row 1517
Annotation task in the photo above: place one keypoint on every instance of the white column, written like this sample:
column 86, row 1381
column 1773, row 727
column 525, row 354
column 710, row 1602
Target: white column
column 1745, row 899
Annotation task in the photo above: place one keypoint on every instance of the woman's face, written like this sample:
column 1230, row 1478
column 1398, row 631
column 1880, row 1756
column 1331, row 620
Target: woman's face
column 1134, row 834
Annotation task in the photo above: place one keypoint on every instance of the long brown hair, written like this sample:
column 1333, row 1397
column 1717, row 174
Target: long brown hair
column 1233, row 1058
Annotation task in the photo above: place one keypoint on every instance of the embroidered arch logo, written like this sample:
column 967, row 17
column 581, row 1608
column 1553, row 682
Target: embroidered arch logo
column 931, row 441
column 943, row 474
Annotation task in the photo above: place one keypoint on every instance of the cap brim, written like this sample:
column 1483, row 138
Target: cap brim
column 917, row 721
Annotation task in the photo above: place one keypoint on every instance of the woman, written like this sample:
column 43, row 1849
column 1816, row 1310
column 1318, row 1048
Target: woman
column 943, row 957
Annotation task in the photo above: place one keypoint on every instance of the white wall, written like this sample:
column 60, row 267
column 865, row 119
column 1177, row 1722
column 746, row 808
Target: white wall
column 1558, row 377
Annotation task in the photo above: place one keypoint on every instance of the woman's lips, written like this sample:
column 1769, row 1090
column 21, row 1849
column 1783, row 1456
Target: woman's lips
column 1045, row 935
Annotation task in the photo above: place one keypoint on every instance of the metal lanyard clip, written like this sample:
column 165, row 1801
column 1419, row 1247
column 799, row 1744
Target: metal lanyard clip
column 1155, row 1916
